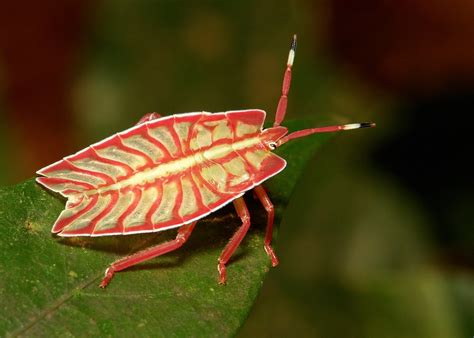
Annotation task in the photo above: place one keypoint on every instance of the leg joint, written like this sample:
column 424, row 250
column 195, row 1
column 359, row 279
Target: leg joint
column 269, row 208
column 245, row 220
column 180, row 239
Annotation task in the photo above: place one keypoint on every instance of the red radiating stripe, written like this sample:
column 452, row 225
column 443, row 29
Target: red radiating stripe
column 91, row 153
column 137, row 196
column 252, row 170
column 147, row 225
column 197, row 193
column 193, row 132
column 127, row 168
column 59, row 226
column 233, row 127
column 203, row 181
column 194, row 120
column 178, row 200
column 176, row 219
column 224, row 159
column 222, row 197
column 68, row 192
column 156, row 204
column 204, row 118
column 187, row 148
column 175, row 137
column 169, row 125
column 114, row 195
column 105, row 177
column 244, row 185
column 158, row 144
column 65, row 164
column 251, row 117
column 51, row 181
column 215, row 144
column 137, row 152
column 219, row 142
column 143, row 132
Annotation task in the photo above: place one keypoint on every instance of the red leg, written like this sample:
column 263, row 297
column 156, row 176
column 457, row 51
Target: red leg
column 267, row 204
column 183, row 234
column 283, row 102
column 148, row 117
column 234, row 242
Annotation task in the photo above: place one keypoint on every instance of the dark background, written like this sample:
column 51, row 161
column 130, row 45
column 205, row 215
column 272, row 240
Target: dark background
column 378, row 240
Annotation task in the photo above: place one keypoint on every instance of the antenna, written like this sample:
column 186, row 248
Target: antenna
column 283, row 102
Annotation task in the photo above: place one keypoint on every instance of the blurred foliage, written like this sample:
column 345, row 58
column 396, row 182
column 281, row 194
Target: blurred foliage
column 357, row 248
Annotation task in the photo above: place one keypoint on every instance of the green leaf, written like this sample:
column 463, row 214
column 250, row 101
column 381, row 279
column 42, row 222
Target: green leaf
column 49, row 284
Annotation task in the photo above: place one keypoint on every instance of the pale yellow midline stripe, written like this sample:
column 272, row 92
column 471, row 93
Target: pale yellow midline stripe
column 165, row 169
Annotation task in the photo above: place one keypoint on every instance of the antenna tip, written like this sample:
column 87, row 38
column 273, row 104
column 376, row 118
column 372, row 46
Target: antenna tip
column 291, row 56
column 293, row 43
column 367, row 125
column 358, row 125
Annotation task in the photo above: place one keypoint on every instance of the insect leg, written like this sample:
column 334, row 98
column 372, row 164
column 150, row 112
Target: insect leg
column 234, row 242
column 183, row 234
column 268, row 205
column 148, row 117
column 283, row 102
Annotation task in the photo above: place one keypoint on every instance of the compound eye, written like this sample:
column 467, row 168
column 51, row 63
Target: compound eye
column 272, row 145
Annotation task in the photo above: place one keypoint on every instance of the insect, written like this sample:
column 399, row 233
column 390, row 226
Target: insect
column 169, row 172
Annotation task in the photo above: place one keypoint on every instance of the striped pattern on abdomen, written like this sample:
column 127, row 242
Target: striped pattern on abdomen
column 160, row 174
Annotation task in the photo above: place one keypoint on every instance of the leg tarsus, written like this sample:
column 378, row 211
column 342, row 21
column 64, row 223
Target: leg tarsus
column 109, row 274
column 183, row 234
column 268, row 205
column 271, row 254
column 222, row 273
column 234, row 242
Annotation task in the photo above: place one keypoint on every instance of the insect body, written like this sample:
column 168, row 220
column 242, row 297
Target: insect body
column 169, row 172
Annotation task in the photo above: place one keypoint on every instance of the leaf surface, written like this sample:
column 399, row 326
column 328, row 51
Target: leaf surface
column 49, row 284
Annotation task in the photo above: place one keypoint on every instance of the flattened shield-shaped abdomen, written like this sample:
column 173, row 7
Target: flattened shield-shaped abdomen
column 161, row 174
